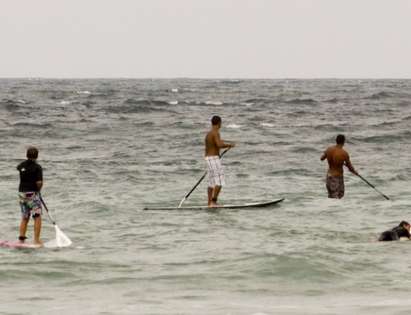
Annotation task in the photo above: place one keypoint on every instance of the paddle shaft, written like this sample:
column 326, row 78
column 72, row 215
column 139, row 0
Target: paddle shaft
column 372, row 186
column 47, row 210
column 199, row 181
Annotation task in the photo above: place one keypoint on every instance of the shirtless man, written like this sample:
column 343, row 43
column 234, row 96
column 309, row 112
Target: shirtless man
column 213, row 144
column 337, row 157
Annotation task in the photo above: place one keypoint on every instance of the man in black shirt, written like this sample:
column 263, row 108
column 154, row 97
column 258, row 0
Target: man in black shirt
column 402, row 230
column 31, row 181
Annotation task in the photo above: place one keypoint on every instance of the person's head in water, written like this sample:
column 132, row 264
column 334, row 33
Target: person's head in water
column 340, row 140
column 32, row 153
column 216, row 121
column 405, row 225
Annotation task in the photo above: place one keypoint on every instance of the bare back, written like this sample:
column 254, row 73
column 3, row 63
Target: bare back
column 211, row 143
column 336, row 157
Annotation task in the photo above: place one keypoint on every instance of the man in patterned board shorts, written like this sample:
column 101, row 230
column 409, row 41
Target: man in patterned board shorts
column 31, row 181
column 337, row 157
column 213, row 144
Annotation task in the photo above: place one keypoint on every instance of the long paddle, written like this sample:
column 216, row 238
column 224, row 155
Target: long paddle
column 372, row 186
column 62, row 239
column 198, row 183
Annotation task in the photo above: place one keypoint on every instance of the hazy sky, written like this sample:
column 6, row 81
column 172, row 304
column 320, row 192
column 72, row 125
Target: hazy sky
column 206, row 38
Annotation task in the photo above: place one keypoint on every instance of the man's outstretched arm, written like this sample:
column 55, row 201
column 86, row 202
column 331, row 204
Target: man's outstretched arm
column 350, row 166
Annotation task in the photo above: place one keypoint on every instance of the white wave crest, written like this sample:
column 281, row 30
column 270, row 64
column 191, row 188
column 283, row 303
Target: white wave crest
column 214, row 103
column 234, row 126
column 247, row 104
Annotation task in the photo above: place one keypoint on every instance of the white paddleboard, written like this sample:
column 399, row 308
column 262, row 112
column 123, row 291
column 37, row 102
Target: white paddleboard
column 239, row 206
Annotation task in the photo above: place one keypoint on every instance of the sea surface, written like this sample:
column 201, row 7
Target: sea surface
column 109, row 148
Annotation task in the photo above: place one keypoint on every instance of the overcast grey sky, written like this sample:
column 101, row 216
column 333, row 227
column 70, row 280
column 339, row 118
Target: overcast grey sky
column 206, row 38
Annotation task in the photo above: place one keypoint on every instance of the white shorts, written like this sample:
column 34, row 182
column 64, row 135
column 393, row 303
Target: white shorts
column 215, row 171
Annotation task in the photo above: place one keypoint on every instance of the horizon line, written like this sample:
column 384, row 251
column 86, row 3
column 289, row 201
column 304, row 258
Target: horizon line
column 201, row 78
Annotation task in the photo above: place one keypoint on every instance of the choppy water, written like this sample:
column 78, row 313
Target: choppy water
column 111, row 147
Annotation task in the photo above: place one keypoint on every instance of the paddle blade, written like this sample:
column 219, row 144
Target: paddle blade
column 61, row 240
column 181, row 202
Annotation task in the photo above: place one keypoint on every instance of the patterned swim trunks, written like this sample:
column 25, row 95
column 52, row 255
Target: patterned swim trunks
column 215, row 171
column 30, row 204
column 335, row 186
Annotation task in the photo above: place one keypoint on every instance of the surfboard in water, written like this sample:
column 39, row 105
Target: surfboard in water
column 239, row 206
column 17, row 244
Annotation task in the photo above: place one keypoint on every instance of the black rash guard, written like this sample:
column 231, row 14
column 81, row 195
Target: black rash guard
column 30, row 173
column 401, row 231
column 395, row 234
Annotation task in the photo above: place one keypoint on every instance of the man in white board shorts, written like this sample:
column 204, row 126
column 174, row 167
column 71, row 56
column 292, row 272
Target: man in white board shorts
column 213, row 144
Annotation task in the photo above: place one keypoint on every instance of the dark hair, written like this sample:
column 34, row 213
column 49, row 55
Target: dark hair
column 215, row 120
column 404, row 223
column 340, row 139
column 32, row 153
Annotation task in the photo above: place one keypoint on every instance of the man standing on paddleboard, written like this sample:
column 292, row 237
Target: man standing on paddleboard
column 31, row 181
column 337, row 157
column 213, row 144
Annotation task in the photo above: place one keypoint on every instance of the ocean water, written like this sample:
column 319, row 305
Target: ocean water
column 109, row 148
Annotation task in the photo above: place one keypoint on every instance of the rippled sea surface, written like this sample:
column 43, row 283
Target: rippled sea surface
column 109, row 148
